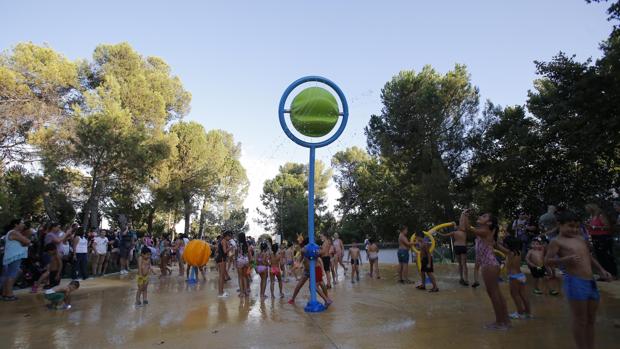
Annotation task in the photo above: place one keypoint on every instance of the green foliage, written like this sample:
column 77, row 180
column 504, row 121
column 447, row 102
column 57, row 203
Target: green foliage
column 420, row 138
column 104, row 143
column 285, row 200
column 22, row 195
column 430, row 154
column 36, row 86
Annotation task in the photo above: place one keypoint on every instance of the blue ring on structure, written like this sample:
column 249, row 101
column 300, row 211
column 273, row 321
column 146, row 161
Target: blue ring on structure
column 343, row 101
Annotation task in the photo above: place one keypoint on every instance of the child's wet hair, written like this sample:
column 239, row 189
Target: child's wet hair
column 567, row 217
column 75, row 284
column 50, row 247
column 145, row 250
column 264, row 246
column 274, row 248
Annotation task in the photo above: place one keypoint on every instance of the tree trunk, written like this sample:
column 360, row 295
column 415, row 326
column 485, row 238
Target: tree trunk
column 187, row 212
column 149, row 220
column 201, row 225
column 86, row 213
column 49, row 208
column 94, row 214
column 91, row 199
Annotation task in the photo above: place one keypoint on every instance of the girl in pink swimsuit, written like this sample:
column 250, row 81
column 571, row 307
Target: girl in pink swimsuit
column 275, row 272
column 262, row 262
column 486, row 236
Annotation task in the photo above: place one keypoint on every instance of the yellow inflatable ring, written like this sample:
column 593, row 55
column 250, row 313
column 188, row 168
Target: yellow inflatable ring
column 429, row 233
column 430, row 236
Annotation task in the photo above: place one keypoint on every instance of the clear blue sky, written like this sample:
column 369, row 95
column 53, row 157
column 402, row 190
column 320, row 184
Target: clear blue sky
column 236, row 57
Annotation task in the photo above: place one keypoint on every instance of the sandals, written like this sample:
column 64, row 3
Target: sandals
column 433, row 290
column 496, row 327
column 421, row 287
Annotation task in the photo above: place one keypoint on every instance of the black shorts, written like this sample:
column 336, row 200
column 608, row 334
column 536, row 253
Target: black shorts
column 426, row 267
column 326, row 263
column 539, row 272
column 459, row 250
column 355, row 261
column 124, row 251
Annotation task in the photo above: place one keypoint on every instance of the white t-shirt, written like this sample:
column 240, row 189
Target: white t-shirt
column 101, row 245
column 82, row 245
column 64, row 247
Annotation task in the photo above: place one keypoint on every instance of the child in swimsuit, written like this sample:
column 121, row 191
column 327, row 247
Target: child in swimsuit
column 243, row 265
column 275, row 272
column 426, row 264
column 288, row 257
column 318, row 269
column 354, row 254
column 535, row 261
column 511, row 247
column 262, row 266
column 372, row 251
column 486, row 234
column 142, row 279
column 61, row 295
column 570, row 250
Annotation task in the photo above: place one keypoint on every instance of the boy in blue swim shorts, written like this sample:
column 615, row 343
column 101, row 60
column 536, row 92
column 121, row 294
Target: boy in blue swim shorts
column 404, row 245
column 570, row 251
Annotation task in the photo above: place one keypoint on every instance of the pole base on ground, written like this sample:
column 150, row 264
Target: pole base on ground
column 314, row 307
column 193, row 274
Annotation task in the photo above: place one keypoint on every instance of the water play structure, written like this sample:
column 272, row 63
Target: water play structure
column 313, row 113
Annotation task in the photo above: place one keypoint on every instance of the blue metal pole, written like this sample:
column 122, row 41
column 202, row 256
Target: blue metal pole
column 313, row 305
column 311, row 226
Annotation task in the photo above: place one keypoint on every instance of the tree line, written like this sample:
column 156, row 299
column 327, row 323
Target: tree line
column 104, row 137
column 435, row 149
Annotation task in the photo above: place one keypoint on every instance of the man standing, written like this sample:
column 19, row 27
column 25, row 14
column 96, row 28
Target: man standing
column 522, row 229
column 548, row 223
column 124, row 249
column 460, row 251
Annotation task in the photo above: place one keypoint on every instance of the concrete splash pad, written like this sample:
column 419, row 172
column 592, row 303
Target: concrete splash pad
column 371, row 314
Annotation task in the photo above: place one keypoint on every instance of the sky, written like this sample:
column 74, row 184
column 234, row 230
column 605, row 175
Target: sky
column 237, row 57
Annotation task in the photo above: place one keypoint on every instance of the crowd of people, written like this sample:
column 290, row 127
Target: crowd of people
column 557, row 243
column 39, row 257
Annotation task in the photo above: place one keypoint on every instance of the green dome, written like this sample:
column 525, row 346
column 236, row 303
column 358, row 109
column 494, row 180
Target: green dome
column 314, row 112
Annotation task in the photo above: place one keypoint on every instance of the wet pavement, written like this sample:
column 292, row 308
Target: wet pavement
column 369, row 314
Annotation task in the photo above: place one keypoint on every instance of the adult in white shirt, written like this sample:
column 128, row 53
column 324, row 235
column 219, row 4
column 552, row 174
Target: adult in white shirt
column 80, row 255
column 100, row 244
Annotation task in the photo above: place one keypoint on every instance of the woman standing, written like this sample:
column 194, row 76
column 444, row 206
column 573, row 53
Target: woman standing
column 220, row 260
column 600, row 232
column 80, row 255
column 16, row 249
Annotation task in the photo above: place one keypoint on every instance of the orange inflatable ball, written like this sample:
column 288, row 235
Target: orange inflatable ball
column 197, row 253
